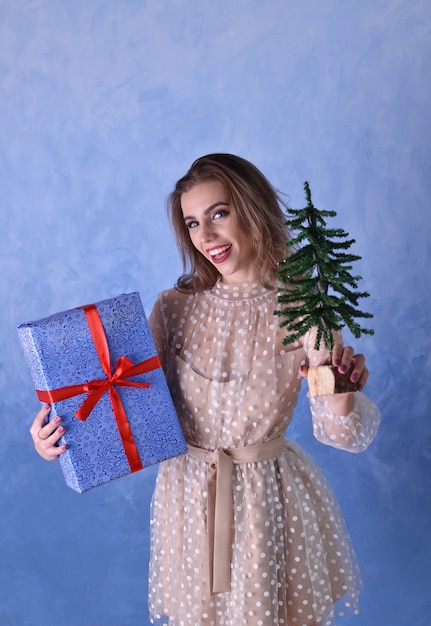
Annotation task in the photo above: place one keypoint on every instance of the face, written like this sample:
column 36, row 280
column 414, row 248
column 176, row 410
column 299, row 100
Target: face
column 215, row 233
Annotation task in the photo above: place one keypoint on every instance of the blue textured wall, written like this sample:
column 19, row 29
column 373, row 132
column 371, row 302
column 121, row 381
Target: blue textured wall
column 103, row 105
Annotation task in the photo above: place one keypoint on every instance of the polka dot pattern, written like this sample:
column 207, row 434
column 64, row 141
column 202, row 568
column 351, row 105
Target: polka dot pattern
column 234, row 384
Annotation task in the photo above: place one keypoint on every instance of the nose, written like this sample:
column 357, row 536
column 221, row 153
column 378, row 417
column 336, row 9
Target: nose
column 207, row 233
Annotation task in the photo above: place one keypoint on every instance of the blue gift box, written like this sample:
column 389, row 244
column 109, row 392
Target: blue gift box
column 133, row 423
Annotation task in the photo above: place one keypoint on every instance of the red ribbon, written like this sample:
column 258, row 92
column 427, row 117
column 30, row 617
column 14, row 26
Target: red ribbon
column 96, row 388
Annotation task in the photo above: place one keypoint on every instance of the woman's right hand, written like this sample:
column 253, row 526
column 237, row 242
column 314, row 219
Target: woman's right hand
column 46, row 435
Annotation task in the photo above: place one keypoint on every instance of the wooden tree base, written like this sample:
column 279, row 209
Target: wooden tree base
column 325, row 380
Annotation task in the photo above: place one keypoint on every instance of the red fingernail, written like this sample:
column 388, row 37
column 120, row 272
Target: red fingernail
column 47, row 406
column 57, row 420
column 61, row 429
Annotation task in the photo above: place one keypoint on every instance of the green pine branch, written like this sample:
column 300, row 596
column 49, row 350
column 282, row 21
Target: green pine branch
column 317, row 288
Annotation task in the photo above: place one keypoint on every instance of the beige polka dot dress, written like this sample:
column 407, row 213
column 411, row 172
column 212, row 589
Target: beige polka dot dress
column 245, row 529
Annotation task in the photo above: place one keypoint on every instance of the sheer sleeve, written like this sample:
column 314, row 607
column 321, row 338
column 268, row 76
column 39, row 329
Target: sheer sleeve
column 353, row 432
column 157, row 322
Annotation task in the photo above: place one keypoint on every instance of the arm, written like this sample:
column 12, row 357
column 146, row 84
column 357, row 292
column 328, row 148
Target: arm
column 157, row 323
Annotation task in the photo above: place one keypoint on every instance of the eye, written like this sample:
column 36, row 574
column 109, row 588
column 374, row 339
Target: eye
column 192, row 224
column 220, row 213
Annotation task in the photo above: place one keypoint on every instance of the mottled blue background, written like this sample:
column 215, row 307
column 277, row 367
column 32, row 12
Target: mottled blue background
column 103, row 105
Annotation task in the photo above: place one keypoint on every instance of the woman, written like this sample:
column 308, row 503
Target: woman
column 245, row 529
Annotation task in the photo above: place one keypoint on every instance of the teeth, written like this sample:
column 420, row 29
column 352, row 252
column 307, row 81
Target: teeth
column 219, row 250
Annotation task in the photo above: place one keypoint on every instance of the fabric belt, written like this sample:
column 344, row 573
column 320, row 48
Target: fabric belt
column 220, row 501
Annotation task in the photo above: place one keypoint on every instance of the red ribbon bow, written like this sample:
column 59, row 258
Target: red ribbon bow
column 96, row 388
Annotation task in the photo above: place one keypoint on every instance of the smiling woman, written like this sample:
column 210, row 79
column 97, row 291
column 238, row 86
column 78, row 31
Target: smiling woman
column 216, row 231
column 250, row 200
column 245, row 529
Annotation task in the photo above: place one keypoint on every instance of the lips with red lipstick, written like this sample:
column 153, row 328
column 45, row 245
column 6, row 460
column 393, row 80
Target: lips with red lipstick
column 220, row 253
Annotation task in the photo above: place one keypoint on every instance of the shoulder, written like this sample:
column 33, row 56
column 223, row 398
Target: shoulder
column 171, row 300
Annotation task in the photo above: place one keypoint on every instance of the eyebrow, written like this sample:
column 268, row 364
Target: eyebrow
column 208, row 210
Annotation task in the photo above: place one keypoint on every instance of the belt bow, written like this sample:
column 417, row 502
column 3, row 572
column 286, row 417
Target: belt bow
column 220, row 501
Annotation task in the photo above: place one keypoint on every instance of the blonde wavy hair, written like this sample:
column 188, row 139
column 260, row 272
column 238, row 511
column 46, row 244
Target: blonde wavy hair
column 258, row 207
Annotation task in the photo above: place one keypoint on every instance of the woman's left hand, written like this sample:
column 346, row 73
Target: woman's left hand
column 345, row 360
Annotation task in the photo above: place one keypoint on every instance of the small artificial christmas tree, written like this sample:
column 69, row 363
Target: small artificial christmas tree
column 319, row 289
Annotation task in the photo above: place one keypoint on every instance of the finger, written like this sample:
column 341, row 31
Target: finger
column 303, row 371
column 40, row 419
column 363, row 379
column 345, row 361
column 358, row 367
column 48, row 448
column 337, row 353
column 52, row 431
column 53, row 452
